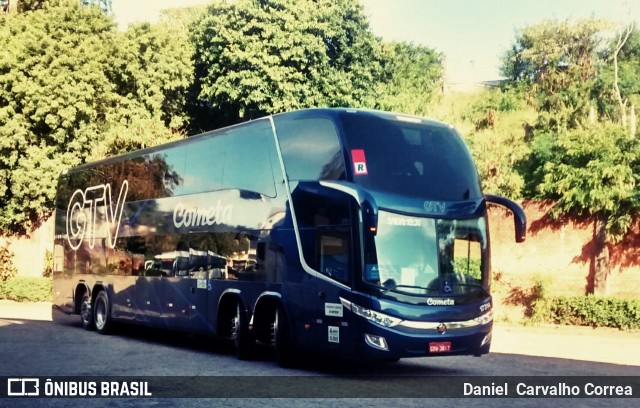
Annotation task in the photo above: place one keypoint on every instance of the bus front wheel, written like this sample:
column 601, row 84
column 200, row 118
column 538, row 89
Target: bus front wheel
column 101, row 315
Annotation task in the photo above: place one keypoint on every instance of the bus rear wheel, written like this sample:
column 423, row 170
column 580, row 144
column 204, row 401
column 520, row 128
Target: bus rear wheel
column 281, row 339
column 86, row 313
column 101, row 315
column 240, row 333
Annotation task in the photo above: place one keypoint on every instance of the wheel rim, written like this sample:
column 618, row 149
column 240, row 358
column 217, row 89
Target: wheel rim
column 274, row 331
column 85, row 310
column 235, row 326
column 101, row 313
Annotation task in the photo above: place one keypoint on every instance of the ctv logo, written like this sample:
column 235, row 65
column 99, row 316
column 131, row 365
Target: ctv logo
column 82, row 214
column 23, row 387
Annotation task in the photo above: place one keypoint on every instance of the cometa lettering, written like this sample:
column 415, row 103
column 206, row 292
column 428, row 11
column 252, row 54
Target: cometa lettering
column 440, row 302
column 201, row 216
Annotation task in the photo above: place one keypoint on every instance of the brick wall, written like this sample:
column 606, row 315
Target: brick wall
column 558, row 254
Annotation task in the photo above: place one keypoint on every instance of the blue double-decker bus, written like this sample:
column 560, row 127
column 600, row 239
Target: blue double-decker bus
column 351, row 232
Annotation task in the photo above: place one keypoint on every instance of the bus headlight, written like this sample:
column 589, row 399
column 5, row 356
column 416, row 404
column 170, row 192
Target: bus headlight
column 376, row 317
column 484, row 319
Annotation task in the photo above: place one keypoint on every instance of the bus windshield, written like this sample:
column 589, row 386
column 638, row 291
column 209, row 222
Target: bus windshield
column 429, row 257
column 410, row 157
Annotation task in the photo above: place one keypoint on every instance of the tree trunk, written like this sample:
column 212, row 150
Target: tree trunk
column 600, row 256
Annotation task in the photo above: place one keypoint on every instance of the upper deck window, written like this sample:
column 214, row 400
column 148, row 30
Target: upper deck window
column 409, row 158
column 310, row 148
column 236, row 158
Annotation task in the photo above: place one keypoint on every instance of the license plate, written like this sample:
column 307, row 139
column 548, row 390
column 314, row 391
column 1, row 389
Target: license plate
column 440, row 347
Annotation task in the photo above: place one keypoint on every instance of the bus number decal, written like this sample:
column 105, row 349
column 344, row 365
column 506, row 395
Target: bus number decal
column 359, row 162
column 81, row 222
column 334, row 334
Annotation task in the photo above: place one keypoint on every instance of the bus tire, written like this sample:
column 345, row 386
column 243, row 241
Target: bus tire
column 285, row 355
column 101, row 314
column 86, row 313
column 240, row 336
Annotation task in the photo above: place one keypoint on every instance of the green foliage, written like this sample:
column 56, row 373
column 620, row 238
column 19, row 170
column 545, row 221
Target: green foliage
column 497, row 133
column 557, row 61
column 26, row 289
column 259, row 57
column 53, row 91
column 589, row 311
column 592, row 171
column 415, row 78
column 73, row 89
column 153, row 70
column 628, row 77
column 7, row 269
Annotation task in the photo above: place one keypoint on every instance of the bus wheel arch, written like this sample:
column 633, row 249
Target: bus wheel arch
column 263, row 317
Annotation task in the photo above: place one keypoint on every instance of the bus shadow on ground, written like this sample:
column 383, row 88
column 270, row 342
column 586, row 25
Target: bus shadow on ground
column 307, row 362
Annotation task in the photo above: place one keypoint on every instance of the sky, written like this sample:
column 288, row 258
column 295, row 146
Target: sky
column 472, row 34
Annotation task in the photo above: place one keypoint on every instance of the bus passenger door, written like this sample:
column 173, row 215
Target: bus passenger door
column 325, row 223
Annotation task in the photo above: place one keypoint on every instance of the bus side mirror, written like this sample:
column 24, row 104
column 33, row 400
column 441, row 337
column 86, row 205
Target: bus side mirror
column 369, row 216
column 519, row 218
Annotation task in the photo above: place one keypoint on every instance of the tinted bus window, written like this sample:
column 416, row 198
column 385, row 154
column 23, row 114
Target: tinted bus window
column 310, row 148
column 411, row 159
column 237, row 158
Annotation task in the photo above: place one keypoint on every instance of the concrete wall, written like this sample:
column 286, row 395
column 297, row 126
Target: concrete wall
column 29, row 252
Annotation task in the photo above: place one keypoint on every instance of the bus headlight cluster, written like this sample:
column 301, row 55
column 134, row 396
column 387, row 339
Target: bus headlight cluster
column 484, row 319
column 376, row 317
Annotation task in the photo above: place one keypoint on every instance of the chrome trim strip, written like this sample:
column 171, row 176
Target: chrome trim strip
column 416, row 325
column 478, row 321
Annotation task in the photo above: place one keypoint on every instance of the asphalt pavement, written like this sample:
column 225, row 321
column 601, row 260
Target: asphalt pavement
column 568, row 342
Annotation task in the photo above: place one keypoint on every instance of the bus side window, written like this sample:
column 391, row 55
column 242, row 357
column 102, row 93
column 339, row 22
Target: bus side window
column 325, row 233
column 310, row 148
column 333, row 256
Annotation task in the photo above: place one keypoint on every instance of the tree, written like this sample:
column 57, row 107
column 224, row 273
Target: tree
column 257, row 57
column 589, row 168
column 53, row 93
column 151, row 73
column 617, row 88
column 73, row 88
column 558, row 61
column 595, row 173
column 415, row 75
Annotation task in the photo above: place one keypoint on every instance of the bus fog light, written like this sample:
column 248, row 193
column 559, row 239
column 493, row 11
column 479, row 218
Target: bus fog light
column 487, row 339
column 376, row 342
